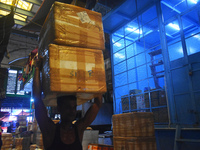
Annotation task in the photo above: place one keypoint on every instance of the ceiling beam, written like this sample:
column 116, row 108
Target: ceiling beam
column 24, row 33
column 37, row 2
column 22, row 23
column 17, row 10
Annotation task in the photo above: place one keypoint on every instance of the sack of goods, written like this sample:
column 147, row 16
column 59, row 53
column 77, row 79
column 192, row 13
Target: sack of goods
column 71, row 43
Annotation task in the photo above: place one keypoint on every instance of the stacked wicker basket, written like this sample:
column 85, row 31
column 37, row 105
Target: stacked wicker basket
column 71, row 42
column 134, row 131
column 7, row 141
column 18, row 143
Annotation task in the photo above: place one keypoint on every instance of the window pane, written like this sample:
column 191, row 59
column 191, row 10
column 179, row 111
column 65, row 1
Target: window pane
column 121, row 67
column 154, row 53
column 19, row 84
column 131, row 63
column 142, row 85
column 192, row 44
column 132, row 76
column 118, row 45
column 121, row 91
column 131, row 27
column 140, row 59
column 119, row 56
column 121, row 79
column 141, row 72
column 149, row 15
column 12, row 75
column 175, row 51
column 129, row 51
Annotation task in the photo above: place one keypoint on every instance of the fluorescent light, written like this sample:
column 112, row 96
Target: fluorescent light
column 197, row 36
column 32, row 100
column 175, row 26
column 194, row 1
column 12, row 71
column 118, row 44
column 118, row 55
column 134, row 30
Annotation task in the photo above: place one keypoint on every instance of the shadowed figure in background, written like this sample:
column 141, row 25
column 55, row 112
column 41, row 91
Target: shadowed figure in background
column 6, row 24
column 64, row 135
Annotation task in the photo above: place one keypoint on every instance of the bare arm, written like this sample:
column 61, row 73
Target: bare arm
column 46, row 125
column 90, row 114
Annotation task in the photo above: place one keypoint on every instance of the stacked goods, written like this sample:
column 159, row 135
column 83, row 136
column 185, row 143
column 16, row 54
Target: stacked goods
column 135, row 100
column 3, row 82
column 74, row 70
column 99, row 147
column 71, row 42
column 73, row 26
column 134, row 143
column 18, row 143
column 39, row 140
column 134, row 131
column 22, row 120
column 7, row 141
column 157, row 98
column 34, row 147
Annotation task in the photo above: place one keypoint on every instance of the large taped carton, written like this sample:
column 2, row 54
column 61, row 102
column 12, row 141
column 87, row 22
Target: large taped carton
column 72, row 70
column 73, row 26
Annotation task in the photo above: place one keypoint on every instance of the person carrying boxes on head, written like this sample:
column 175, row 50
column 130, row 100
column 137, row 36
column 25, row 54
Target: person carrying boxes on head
column 63, row 135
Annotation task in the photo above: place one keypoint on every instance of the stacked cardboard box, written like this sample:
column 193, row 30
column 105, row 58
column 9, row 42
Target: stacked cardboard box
column 71, row 42
column 134, row 131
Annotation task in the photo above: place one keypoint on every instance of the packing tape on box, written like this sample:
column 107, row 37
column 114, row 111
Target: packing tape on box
column 82, row 70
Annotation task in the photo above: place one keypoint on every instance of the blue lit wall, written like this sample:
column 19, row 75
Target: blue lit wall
column 141, row 71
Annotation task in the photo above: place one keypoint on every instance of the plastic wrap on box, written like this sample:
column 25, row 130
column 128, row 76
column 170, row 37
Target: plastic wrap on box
column 73, row 26
column 72, row 70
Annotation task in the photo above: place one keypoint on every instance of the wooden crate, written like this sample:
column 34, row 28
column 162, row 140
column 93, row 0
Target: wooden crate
column 133, row 124
column 73, row 26
column 73, row 70
column 134, row 143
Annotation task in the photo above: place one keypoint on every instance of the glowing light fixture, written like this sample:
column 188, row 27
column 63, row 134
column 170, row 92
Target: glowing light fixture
column 175, row 26
column 118, row 44
column 134, row 30
column 19, row 4
column 12, row 71
column 32, row 100
column 118, row 55
column 194, row 1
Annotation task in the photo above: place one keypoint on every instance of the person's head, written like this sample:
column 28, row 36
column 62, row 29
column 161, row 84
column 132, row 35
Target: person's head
column 67, row 107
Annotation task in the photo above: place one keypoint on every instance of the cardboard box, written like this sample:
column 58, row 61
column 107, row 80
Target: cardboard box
column 136, row 124
column 73, row 26
column 73, row 70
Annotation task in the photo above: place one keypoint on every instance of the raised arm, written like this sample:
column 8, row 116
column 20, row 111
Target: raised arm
column 46, row 125
column 91, row 113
